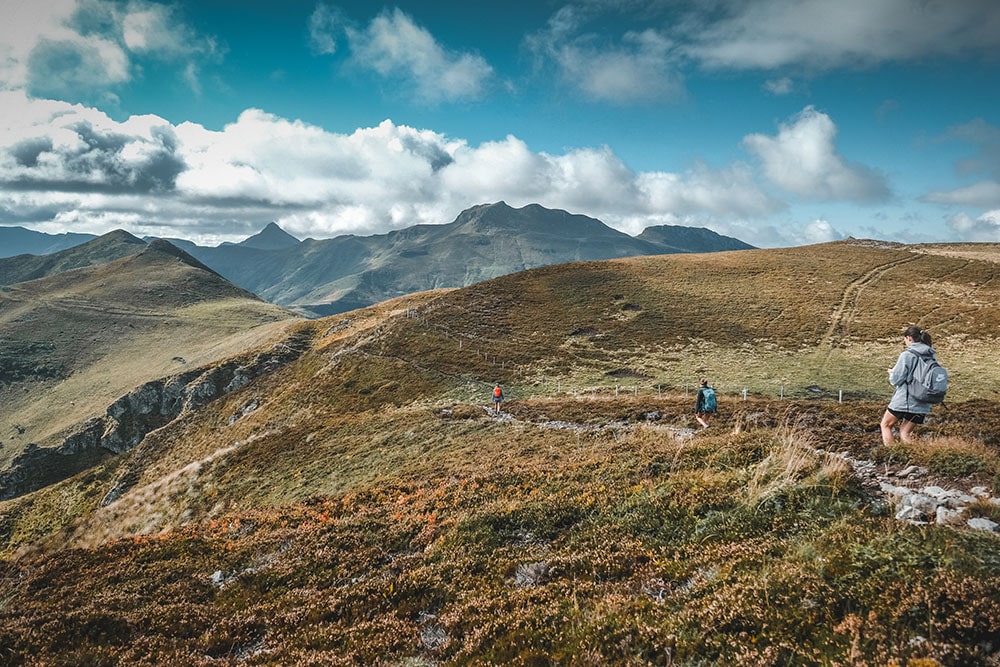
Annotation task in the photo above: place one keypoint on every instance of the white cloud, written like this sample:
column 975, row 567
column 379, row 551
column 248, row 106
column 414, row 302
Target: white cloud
column 820, row 34
column 394, row 46
column 983, row 194
column 781, row 86
column 49, row 145
column 984, row 229
column 71, row 164
column 324, row 24
column 639, row 68
column 79, row 48
column 820, row 231
column 24, row 25
column 802, row 159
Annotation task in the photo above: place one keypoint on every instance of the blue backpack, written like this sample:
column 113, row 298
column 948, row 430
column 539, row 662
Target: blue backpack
column 708, row 402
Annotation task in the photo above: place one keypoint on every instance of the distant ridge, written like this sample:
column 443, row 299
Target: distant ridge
column 676, row 238
column 322, row 277
column 107, row 248
column 327, row 276
column 20, row 241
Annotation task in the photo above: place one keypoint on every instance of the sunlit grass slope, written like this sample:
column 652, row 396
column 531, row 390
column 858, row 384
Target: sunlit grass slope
column 360, row 505
column 73, row 342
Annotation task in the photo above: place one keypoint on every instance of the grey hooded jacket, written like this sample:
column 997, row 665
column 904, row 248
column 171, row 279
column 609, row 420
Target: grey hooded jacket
column 902, row 373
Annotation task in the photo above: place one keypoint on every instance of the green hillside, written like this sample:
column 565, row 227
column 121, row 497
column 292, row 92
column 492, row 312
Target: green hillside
column 76, row 339
column 359, row 504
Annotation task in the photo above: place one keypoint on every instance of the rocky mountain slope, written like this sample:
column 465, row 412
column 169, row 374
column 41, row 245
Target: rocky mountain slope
column 356, row 501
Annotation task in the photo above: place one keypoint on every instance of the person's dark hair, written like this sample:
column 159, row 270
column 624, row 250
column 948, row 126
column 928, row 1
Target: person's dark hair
column 703, row 382
column 925, row 337
column 914, row 332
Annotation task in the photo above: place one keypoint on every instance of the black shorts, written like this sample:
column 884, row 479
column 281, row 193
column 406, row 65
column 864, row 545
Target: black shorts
column 915, row 417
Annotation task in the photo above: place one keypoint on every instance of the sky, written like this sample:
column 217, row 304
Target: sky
column 778, row 122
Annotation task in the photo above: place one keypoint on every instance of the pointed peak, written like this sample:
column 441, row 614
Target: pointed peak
column 272, row 237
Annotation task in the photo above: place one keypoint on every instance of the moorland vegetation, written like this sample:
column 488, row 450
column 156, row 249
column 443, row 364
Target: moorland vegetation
column 360, row 505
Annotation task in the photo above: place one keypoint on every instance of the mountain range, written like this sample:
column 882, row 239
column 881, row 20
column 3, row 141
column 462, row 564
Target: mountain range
column 322, row 277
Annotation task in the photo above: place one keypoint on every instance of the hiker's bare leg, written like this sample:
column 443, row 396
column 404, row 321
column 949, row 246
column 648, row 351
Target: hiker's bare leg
column 906, row 430
column 888, row 421
column 702, row 420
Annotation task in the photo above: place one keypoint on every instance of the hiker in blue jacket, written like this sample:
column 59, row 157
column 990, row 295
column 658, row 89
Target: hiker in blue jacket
column 904, row 409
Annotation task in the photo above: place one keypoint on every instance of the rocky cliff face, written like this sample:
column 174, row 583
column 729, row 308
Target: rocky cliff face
column 145, row 409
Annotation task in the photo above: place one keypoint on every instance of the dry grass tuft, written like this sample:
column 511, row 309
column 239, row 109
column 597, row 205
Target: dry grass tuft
column 793, row 457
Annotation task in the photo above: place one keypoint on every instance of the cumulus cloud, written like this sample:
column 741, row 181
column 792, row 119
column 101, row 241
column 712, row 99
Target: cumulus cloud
column 639, row 67
column 984, row 229
column 79, row 48
column 820, row 231
column 396, row 47
column 89, row 172
column 47, row 145
column 804, row 35
column 802, row 159
column 821, row 35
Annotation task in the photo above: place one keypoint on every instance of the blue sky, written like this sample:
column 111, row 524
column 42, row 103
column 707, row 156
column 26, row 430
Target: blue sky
column 779, row 122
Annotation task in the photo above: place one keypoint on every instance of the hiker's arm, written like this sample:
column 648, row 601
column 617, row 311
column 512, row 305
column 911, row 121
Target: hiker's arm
column 900, row 372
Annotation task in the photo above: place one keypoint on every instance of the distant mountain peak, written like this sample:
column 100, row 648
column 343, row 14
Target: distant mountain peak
column 272, row 237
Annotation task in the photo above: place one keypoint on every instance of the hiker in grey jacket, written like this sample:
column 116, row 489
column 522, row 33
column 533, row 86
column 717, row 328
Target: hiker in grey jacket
column 904, row 409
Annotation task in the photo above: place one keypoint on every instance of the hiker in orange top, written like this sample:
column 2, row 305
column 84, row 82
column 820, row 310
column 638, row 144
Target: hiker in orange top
column 497, row 398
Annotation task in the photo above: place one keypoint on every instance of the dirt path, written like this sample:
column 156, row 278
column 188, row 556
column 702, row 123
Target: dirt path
column 848, row 306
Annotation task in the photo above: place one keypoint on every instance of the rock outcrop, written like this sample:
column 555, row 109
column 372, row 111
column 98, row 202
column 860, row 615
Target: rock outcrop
column 144, row 409
column 915, row 502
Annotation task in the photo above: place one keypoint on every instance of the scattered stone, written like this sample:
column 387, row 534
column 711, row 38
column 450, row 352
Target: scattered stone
column 218, row 578
column 910, row 515
column 433, row 636
column 912, row 471
column 932, row 504
column 934, row 492
column 920, row 502
column 895, row 493
column 243, row 412
column 947, row 517
column 980, row 523
column 531, row 574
